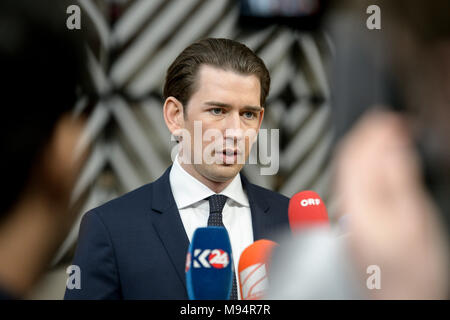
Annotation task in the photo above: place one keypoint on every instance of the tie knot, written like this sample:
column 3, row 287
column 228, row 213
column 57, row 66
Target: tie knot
column 216, row 203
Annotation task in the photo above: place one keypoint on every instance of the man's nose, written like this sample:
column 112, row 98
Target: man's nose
column 233, row 120
column 233, row 129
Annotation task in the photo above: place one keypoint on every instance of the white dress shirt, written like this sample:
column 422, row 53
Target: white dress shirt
column 190, row 196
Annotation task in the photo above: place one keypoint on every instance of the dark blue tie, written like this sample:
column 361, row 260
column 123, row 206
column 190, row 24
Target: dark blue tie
column 216, row 204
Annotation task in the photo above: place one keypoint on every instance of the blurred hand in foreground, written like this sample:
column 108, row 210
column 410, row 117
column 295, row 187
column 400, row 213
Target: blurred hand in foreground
column 392, row 221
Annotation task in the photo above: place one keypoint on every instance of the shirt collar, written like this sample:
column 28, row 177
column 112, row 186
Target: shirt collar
column 235, row 192
column 187, row 190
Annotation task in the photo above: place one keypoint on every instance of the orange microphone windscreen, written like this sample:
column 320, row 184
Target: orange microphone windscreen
column 253, row 269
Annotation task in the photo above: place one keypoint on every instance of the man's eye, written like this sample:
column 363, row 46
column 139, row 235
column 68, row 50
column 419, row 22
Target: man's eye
column 249, row 115
column 216, row 111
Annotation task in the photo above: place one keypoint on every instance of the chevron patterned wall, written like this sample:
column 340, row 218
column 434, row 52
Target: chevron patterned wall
column 138, row 39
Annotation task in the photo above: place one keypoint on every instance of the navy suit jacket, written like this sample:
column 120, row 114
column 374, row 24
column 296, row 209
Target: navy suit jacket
column 134, row 247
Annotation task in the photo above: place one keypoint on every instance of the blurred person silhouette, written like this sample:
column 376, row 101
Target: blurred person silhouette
column 393, row 172
column 41, row 64
column 392, row 177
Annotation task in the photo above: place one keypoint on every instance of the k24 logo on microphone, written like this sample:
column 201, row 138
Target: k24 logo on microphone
column 309, row 202
column 207, row 258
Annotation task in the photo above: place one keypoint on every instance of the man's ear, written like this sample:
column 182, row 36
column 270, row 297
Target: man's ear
column 173, row 115
column 61, row 160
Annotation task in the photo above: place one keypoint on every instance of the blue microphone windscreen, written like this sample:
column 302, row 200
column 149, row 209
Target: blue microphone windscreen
column 209, row 264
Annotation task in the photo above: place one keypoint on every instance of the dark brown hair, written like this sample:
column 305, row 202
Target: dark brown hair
column 221, row 53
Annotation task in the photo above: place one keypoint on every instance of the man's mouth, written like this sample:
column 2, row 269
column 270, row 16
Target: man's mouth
column 229, row 156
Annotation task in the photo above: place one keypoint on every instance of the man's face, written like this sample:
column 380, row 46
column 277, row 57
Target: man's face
column 227, row 106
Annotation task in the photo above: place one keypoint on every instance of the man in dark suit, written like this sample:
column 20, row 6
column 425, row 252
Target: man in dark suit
column 134, row 247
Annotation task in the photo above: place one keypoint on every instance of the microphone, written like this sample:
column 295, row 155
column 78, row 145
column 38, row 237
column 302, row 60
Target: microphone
column 314, row 263
column 253, row 269
column 306, row 209
column 209, row 264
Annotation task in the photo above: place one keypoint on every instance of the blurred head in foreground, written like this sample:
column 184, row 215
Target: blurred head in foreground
column 42, row 65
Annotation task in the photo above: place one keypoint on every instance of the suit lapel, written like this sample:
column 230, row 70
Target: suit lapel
column 259, row 208
column 168, row 224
